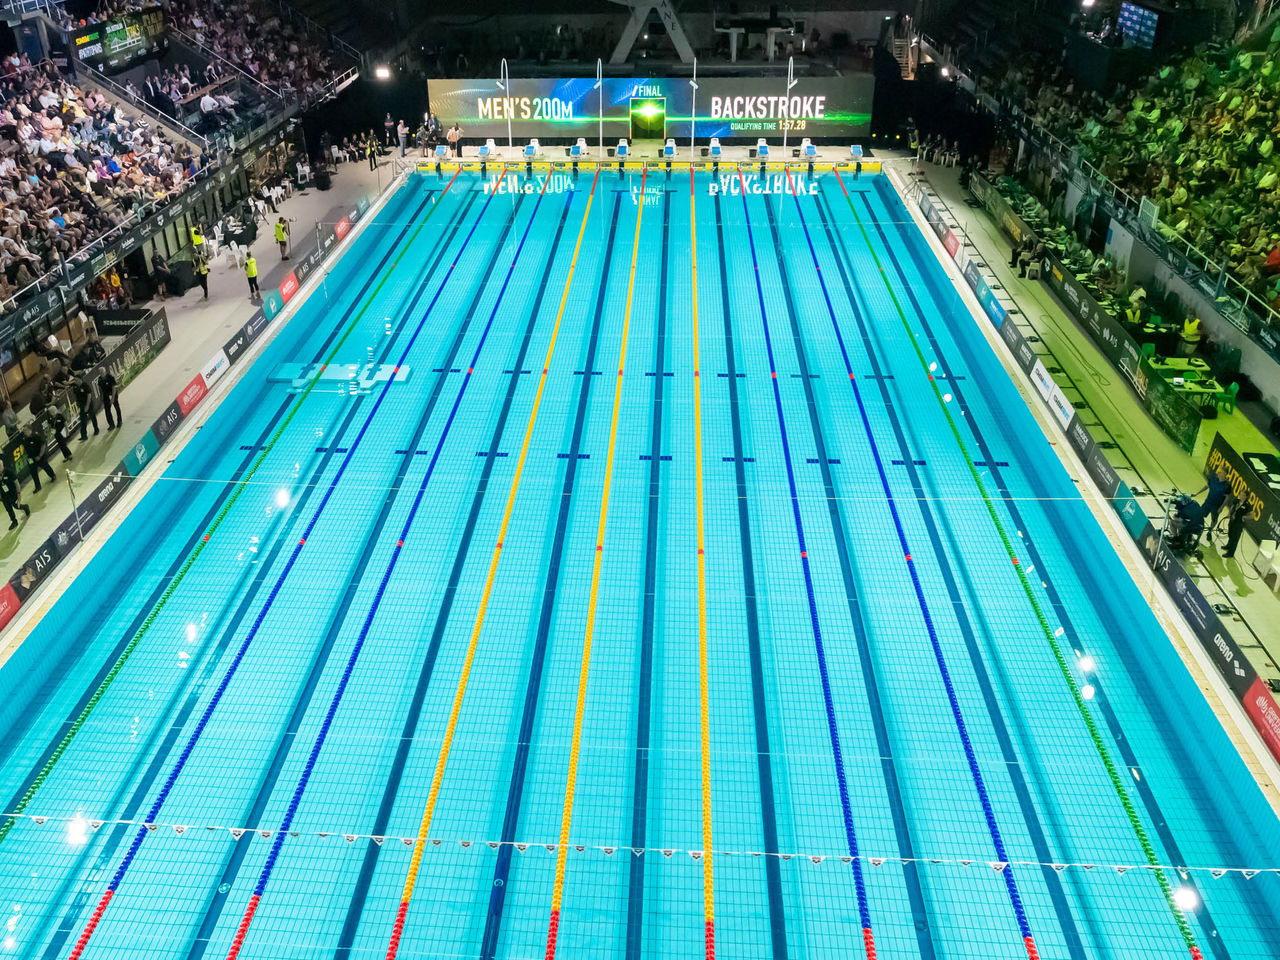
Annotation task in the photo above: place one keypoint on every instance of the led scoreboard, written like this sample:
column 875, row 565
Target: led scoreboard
column 728, row 108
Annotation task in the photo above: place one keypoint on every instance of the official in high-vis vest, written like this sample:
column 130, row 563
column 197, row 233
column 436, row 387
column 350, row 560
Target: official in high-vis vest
column 251, row 274
column 282, row 237
column 197, row 242
column 200, row 266
column 1190, row 335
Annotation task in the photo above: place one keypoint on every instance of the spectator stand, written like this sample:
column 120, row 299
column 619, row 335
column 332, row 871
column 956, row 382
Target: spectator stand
column 291, row 13
column 261, row 107
column 162, row 228
column 296, row 64
column 113, row 88
column 1233, row 302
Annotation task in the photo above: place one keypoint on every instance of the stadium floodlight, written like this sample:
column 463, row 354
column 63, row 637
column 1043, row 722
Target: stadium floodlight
column 382, row 72
column 504, row 84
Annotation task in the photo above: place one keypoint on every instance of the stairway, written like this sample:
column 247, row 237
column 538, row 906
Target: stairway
column 902, row 50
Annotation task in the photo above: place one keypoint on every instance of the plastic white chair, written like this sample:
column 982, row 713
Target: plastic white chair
column 622, row 149
column 807, row 149
column 669, row 149
column 531, row 149
column 715, row 147
column 488, row 150
column 855, row 151
column 216, row 240
column 762, row 148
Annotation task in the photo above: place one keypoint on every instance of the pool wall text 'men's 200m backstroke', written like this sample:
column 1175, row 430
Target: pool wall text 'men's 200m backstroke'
column 725, row 107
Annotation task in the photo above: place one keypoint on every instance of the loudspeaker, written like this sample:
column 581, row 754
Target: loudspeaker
column 324, row 180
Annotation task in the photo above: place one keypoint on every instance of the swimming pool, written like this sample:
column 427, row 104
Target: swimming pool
column 622, row 565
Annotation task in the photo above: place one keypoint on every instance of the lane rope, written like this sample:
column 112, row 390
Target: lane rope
column 397, row 551
column 975, row 771
column 704, row 693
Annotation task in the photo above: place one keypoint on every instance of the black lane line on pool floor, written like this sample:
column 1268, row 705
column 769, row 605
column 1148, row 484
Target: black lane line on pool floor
column 759, row 707
column 175, row 726
column 217, row 901
column 1154, row 813
column 644, row 680
column 382, row 818
column 1012, row 762
column 870, row 682
column 144, row 611
column 533, row 688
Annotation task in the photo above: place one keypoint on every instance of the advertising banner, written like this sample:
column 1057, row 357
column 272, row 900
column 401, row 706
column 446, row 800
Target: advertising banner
column 192, row 394
column 41, row 563
column 742, row 108
column 1080, row 438
column 272, row 304
column 136, row 460
column 121, row 41
column 167, row 422
column 1262, row 710
column 1248, row 475
column 9, row 604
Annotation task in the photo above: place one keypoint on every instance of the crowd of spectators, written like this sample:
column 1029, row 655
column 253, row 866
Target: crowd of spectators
column 73, row 165
column 176, row 92
column 258, row 41
column 104, row 12
column 1198, row 138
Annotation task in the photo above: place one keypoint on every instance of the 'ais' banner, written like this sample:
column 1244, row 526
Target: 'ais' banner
column 743, row 108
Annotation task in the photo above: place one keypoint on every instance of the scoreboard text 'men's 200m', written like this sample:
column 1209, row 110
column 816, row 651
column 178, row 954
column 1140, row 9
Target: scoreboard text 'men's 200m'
column 738, row 107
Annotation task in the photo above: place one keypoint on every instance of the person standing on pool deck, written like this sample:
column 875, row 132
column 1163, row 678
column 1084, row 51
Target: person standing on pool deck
column 11, row 497
column 1235, row 526
column 199, row 267
column 109, row 390
column 251, row 274
column 35, row 447
column 282, row 237
column 58, row 423
column 1218, row 488
column 454, row 136
column 83, row 395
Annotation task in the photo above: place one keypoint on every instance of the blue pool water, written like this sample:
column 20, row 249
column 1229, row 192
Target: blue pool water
column 234, row 755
